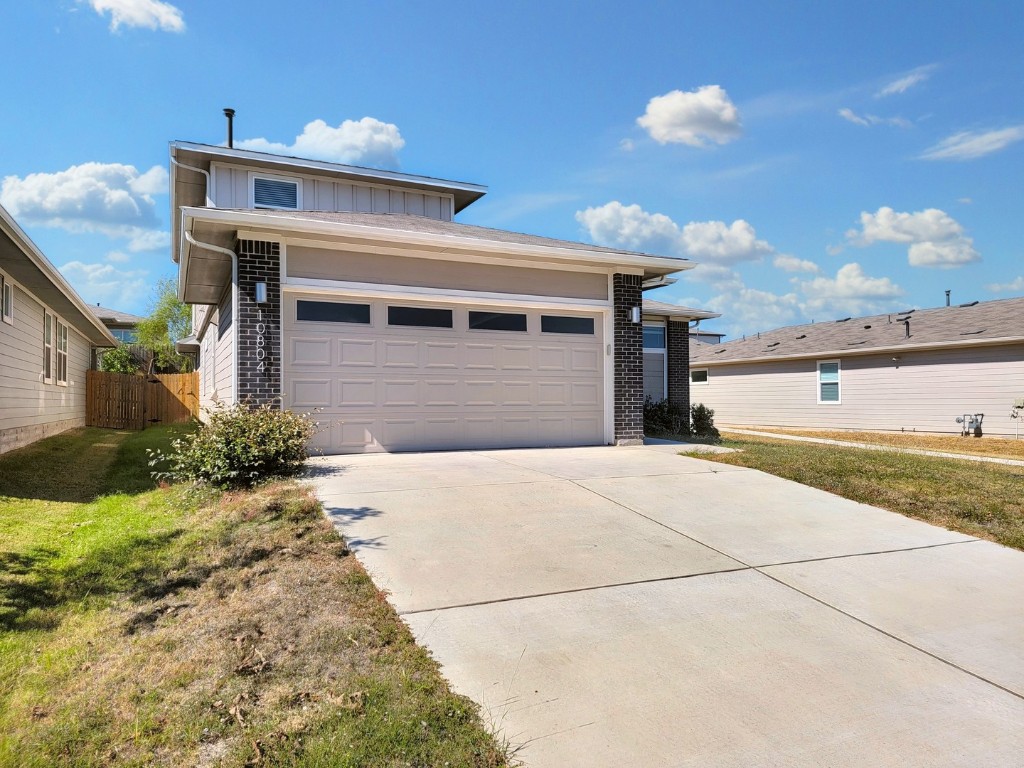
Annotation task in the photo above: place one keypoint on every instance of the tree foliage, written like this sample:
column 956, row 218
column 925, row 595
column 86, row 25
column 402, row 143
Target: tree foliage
column 169, row 320
column 119, row 360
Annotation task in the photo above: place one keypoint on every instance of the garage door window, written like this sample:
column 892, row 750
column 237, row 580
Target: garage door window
column 331, row 312
column 497, row 321
column 566, row 324
column 420, row 317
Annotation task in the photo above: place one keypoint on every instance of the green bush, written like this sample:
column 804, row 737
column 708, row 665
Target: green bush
column 702, row 421
column 663, row 418
column 119, row 360
column 238, row 447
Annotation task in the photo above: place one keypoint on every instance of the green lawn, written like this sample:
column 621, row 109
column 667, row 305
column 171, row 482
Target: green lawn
column 145, row 626
column 976, row 498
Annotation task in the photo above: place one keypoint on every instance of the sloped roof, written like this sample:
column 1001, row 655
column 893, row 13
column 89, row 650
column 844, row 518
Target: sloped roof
column 108, row 315
column 652, row 307
column 989, row 322
column 408, row 222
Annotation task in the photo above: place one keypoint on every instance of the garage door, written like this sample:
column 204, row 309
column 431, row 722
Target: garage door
column 393, row 375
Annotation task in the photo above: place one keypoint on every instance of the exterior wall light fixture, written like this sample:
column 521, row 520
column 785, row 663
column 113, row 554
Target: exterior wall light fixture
column 261, row 293
column 634, row 315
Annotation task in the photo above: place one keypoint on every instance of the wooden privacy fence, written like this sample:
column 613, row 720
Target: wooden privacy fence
column 130, row 401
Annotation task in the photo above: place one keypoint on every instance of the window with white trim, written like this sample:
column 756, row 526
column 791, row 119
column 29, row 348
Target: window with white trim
column 62, row 353
column 829, row 392
column 699, row 376
column 47, row 348
column 266, row 191
column 7, row 299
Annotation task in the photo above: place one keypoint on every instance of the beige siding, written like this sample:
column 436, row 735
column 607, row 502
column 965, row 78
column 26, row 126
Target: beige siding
column 29, row 407
column 231, row 190
column 207, row 368
column 224, row 352
column 322, row 264
column 923, row 391
column 654, row 375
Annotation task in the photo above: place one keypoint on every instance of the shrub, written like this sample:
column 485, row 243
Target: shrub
column 238, row 447
column 661, row 417
column 120, row 359
column 703, row 422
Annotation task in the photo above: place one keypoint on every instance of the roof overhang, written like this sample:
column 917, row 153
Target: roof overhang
column 204, row 273
column 861, row 352
column 25, row 263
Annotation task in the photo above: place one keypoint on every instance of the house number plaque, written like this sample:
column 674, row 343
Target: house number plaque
column 261, row 350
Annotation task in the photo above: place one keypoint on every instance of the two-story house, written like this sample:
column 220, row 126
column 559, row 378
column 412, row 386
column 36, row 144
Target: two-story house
column 354, row 292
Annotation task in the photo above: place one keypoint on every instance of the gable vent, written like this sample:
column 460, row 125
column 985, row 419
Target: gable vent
column 274, row 193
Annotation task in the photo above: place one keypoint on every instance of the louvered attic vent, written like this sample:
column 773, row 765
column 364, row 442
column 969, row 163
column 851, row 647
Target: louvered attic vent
column 274, row 193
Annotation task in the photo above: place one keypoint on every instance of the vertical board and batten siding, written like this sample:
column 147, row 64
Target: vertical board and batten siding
column 231, row 190
column 924, row 391
column 224, row 380
column 29, row 408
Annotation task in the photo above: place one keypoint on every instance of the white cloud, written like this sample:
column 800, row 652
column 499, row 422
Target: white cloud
column 627, row 145
column 693, row 118
column 870, row 120
column 108, row 198
column 715, row 241
column 905, row 82
column 1015, row 285
column 711, row 242
column 969, row 145
column 150, row 14
column 368, row 141
column 935, row 238
column 118, row 257
column 964, row 200
column 851, row 292
column 106, row 284
column 794, row 264
column 746, row 308
column 724, row 279
column 631, row 227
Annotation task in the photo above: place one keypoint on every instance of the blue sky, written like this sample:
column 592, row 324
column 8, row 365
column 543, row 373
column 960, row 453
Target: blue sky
column 818, row 160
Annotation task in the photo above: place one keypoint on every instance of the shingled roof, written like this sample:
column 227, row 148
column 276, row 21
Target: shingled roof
column 977, row 323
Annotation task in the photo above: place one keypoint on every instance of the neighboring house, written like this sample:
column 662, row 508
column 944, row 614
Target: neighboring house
column 122, row 325
column 916, row 370
column 662, row 322
column 705, row 337
column 47, row 337
column 352, row 292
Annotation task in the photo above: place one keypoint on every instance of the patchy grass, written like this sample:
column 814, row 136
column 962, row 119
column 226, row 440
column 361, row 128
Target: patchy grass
column 1000, row 447
column 976, row 498
column 175, row 627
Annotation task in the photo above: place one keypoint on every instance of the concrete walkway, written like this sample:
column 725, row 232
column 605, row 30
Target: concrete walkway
column 633, row 607
column 876, row 447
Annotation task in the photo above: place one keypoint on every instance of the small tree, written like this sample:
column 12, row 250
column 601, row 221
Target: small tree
column 119, row 360
column 169, row 320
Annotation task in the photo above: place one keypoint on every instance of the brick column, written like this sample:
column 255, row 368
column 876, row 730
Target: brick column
column 259, row 325
column 629, row 361
column 677, row 358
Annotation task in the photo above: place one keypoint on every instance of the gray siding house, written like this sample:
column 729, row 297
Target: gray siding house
column 910, row 371
column 47, row 337
column 356, row 294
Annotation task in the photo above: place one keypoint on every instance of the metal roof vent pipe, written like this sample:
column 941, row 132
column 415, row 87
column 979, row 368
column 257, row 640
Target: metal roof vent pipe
column 947, row 298
column 906, row 326
column 229, row 113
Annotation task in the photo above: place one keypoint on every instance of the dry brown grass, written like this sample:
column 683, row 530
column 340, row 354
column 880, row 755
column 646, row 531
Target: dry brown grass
column 985, row 446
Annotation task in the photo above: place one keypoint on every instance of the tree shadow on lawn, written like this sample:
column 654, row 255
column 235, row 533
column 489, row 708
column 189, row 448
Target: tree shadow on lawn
column 35, row 587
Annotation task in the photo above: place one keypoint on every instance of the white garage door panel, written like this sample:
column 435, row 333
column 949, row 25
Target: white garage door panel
column 410, row 388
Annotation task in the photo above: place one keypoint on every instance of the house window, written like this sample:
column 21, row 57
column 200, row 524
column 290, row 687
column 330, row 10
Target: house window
column 420, row 317
column 497, row 321
column 7, row 299
column 62, row 353
column 699, row 376
column 828, row 381
column 47, row 347
column 654, row 338
column 125, row 335
column 275, row 192
column 566, row 324
column 332, row 312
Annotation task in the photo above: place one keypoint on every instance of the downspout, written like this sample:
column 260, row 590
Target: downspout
column 235, row 320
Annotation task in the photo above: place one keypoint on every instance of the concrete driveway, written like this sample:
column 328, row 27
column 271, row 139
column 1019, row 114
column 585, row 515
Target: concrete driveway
column 632, row 607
